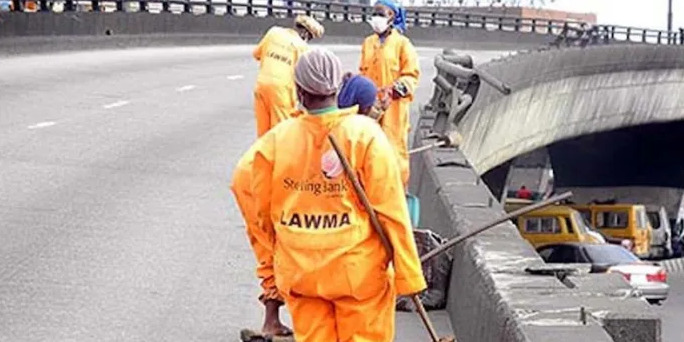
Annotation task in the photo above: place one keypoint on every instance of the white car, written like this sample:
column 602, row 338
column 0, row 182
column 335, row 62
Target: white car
column 649, row 279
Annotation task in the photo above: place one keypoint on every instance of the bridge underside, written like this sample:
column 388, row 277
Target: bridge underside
column 646, row 155
column 642, row 163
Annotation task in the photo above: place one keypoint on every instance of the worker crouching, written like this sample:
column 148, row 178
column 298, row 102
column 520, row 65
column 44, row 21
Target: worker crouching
column 360, row 91
column 329, row 264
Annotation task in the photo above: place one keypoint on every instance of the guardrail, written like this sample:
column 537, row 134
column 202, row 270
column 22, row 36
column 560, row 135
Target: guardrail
column 457, row 84
column 596, row 35
column 337, row 11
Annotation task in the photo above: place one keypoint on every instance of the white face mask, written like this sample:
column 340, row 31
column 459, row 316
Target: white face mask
column 379, row 24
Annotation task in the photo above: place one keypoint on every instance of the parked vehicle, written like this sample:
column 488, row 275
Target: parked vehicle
column 661, row 246
column 648, row 278
column 621, row 221
column 607, row 238
column 555, row 224
column 513, row 204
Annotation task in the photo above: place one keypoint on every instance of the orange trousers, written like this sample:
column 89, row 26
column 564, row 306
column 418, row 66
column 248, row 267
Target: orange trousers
column 362, row 317
column 273, row 104
column 396, row 125
column 244, row 199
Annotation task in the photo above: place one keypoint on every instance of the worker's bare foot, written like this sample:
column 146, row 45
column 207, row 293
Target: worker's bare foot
column 272, row 324
column 275, row 328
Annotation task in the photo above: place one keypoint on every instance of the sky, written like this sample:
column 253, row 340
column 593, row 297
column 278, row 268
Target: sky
column 636, row 13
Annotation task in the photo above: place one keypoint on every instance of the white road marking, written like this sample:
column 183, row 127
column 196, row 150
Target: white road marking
column 235, row 77
column 42, row 124
column 185, row 88
column 115, row 104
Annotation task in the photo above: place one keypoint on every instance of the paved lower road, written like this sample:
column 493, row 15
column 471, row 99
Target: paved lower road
column 116, row 221
column 672, row 310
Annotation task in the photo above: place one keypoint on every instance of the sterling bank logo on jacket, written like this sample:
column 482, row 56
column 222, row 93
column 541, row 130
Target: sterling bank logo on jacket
column 331, row 166
column 317, row 188
column 326, row 185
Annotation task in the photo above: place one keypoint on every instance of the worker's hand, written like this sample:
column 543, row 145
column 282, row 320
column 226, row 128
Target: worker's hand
column 388, row 92
column 384, row 101
column 376, row 111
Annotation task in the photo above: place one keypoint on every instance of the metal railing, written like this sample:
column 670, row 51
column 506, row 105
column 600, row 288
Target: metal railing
column 338, row 11
column 602, row 34
column 457, row 84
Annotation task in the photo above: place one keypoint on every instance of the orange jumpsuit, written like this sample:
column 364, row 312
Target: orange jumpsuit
column 395, row 59
column 241, row 186
column 275, row 95
column 329, row 264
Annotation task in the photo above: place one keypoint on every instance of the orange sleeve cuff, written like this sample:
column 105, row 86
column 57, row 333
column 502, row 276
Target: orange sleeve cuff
column 407, row 286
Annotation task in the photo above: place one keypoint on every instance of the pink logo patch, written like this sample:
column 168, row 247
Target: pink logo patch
column 331, row 164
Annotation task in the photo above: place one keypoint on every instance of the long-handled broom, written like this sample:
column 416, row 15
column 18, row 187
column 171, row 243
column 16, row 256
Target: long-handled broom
column 378, row 228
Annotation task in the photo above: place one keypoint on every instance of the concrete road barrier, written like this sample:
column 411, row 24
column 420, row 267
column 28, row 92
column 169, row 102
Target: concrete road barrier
column 492, row 297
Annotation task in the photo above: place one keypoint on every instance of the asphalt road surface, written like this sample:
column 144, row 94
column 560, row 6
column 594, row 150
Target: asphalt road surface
column 116, row 220
column 672, row 309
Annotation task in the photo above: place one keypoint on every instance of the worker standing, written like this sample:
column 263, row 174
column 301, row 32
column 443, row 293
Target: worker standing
column 330, row 265
column 390, row 60
column 241, row 187
column 277, row 53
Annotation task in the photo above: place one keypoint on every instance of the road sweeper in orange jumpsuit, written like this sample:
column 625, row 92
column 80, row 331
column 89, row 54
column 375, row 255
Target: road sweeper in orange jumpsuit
column 277, row 53
column 329, row 264
column 241, row 186
column 390, row 60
